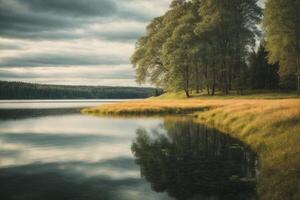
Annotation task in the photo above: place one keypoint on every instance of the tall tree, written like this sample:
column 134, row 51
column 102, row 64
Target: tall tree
column 198, row 42
column 263, row 75
column 281, row 24
column 181, row 51
column 147, row 56
column 231, row 29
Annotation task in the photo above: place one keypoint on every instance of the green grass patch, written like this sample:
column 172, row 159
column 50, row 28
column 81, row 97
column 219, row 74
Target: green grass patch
column 249, row 94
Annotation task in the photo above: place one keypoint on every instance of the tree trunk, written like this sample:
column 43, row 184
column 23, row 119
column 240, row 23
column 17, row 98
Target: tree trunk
column 197, row 82
column 187, row 93
column 187, row 86
column 214, row 83
column 208, row 92
column 226, row 83
column 229, row 85
column 198, row 88
column 298, row 74
column 206, row 79
column 298, row 85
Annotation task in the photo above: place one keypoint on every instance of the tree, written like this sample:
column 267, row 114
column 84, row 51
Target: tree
column 263, row 75
column 177, row 3
column 230, row 28
column 181, row 51
column 147, row 56
column 281, row 25
column 198, row 43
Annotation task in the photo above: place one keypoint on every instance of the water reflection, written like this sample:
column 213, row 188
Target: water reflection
column 188, row 161
column 82, row 157
column 68, row 157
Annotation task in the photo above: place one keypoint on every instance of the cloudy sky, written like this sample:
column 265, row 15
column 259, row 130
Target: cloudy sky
column 86, row 42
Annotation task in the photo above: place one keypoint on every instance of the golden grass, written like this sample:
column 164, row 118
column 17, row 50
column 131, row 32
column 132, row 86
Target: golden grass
column 150, row 107
column 271, row 127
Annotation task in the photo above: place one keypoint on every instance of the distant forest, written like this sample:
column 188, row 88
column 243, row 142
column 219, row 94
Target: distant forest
column 21, row 90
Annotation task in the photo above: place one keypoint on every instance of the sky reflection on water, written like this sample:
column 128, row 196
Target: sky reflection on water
column 79, row 157
column 71, row 157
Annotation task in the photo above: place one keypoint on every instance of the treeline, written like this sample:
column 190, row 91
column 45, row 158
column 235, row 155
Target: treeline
column 20, row 90
column 211, row 44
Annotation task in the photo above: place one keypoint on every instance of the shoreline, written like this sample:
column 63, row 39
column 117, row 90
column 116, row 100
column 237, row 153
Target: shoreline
column 271, row 127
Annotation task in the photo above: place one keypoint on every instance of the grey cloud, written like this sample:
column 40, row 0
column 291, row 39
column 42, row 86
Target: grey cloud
column 44, row 59
column 120, row 21
column 40, row 35
column 26, row 20
column 10, row 46
column 78, row 81
column 75, row 8
column 14, row 75
column 140, row 15
column 70, row 74
column 31, row 25
column 120, row 36
column 45, row 19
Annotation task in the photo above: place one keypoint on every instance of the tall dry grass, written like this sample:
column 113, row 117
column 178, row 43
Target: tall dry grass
column 272, row 129
column 149, row 107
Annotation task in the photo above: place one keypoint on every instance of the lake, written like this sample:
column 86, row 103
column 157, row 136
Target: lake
column 48, row 150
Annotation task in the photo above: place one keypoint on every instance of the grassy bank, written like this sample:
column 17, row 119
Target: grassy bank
column 177, row 103
column 272, row 129
column 251, row 94
column 270, row 126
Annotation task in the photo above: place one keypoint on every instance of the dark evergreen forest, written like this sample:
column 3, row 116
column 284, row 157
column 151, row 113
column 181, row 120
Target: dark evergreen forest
column 21, row 90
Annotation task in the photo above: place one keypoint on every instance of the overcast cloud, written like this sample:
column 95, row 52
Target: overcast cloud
column 72, row 41
column 86, row 42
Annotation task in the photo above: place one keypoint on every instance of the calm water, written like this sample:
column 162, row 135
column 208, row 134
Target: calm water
column 29, row 104
column 54, row 152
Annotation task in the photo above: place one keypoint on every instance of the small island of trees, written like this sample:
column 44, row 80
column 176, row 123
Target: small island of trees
column 220, row 46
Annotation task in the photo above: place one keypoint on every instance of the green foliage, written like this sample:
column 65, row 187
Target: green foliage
column 197, row 44
column 147, row 57
column 180, row 52
column 229, row 28
column 177, row 3
column 288, row 82
column 281, row 24
column 262, row 74
column 207, row 44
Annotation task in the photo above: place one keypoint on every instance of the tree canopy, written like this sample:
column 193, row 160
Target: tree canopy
column 196, row 44
column 282, row 28
column 212, row 44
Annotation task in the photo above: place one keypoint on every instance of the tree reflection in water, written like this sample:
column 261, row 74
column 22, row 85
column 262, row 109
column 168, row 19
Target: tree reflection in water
column 191, row 161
